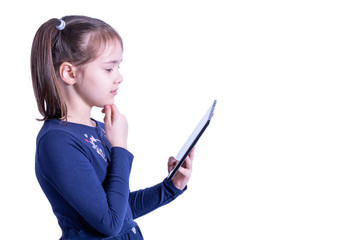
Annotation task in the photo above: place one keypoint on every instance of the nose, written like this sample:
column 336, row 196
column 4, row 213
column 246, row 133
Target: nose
column 118, row 79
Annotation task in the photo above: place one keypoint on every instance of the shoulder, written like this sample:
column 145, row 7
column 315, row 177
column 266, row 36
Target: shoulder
column 57, row 143
column 59, row 147
column 54, row 131
column 57, row 137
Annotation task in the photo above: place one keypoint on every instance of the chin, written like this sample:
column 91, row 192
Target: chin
column 104, row 101
column 101, row 105
column 108, row 103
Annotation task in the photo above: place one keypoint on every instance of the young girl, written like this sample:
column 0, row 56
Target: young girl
column 83, row 165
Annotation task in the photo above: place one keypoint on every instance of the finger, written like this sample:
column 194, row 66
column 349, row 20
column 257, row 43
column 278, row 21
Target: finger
column 184, row 171
column 115, row 111
column 107, row 111
column 188, row 163
column 192, row 153
column 171, row 163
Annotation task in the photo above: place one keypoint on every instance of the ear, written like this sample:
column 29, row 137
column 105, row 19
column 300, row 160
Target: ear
column 67, row 73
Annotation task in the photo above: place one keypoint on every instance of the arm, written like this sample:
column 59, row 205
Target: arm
column 64, row 164
column 146, row 200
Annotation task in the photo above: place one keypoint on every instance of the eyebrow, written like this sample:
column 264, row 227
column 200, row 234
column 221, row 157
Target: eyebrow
column 113, row 62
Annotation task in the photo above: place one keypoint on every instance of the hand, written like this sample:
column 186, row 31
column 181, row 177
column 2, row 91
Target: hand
column 182, row 177
column 116, row 126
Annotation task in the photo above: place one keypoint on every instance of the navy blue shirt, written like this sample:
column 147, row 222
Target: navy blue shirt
column 87, row 182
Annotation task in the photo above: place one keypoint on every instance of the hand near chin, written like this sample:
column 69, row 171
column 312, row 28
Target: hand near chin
column 116, row 126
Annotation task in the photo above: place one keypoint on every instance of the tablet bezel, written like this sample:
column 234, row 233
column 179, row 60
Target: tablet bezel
column 209, row 113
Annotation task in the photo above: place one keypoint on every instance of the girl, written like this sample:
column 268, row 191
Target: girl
column 83, row 165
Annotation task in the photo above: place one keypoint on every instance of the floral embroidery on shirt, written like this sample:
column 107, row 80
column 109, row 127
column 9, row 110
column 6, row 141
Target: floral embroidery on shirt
column 93, row 141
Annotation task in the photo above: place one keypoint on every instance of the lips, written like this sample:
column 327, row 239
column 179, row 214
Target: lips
column 114, row 91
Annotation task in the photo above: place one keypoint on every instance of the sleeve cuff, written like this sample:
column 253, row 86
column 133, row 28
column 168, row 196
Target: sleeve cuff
column 124, row 151
column 121, row 161
column 170, row 187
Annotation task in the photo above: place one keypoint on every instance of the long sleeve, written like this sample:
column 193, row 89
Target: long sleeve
column 64, row 169
column 146, row 200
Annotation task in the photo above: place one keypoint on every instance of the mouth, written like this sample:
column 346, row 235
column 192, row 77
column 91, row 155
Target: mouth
column 114, row 91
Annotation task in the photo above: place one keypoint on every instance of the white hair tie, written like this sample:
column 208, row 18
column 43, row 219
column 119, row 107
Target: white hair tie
column 61, row 26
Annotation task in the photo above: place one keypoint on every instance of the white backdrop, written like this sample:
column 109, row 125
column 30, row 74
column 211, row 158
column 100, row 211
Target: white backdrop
column 280, row 159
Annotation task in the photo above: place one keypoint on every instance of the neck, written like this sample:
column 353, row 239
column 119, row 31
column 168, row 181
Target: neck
column 79, row 112
column 80, row 117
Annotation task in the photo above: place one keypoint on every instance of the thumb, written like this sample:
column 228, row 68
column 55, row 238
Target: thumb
column 171, row 163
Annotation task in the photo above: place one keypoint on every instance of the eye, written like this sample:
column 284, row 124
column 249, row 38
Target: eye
column 109, row 69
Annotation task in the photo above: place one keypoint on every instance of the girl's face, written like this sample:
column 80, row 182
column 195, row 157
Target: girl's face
column 98, row 83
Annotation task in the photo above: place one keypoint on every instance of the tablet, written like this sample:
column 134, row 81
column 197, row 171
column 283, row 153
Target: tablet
column 192, row 140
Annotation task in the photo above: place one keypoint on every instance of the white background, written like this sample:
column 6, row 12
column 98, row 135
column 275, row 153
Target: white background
column 280, row 159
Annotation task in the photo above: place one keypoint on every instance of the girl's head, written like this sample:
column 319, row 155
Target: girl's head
column 81, row 41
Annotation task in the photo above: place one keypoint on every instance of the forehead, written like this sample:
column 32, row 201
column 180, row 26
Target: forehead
column 112, row 51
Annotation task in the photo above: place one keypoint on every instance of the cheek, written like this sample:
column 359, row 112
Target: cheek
column 93, row 83
column 96, row 87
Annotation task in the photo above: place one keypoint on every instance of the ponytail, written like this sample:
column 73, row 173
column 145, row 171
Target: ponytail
column 43, row 73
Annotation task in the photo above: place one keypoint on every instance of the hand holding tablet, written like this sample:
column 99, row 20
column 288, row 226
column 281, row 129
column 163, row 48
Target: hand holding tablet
column 192, row 140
